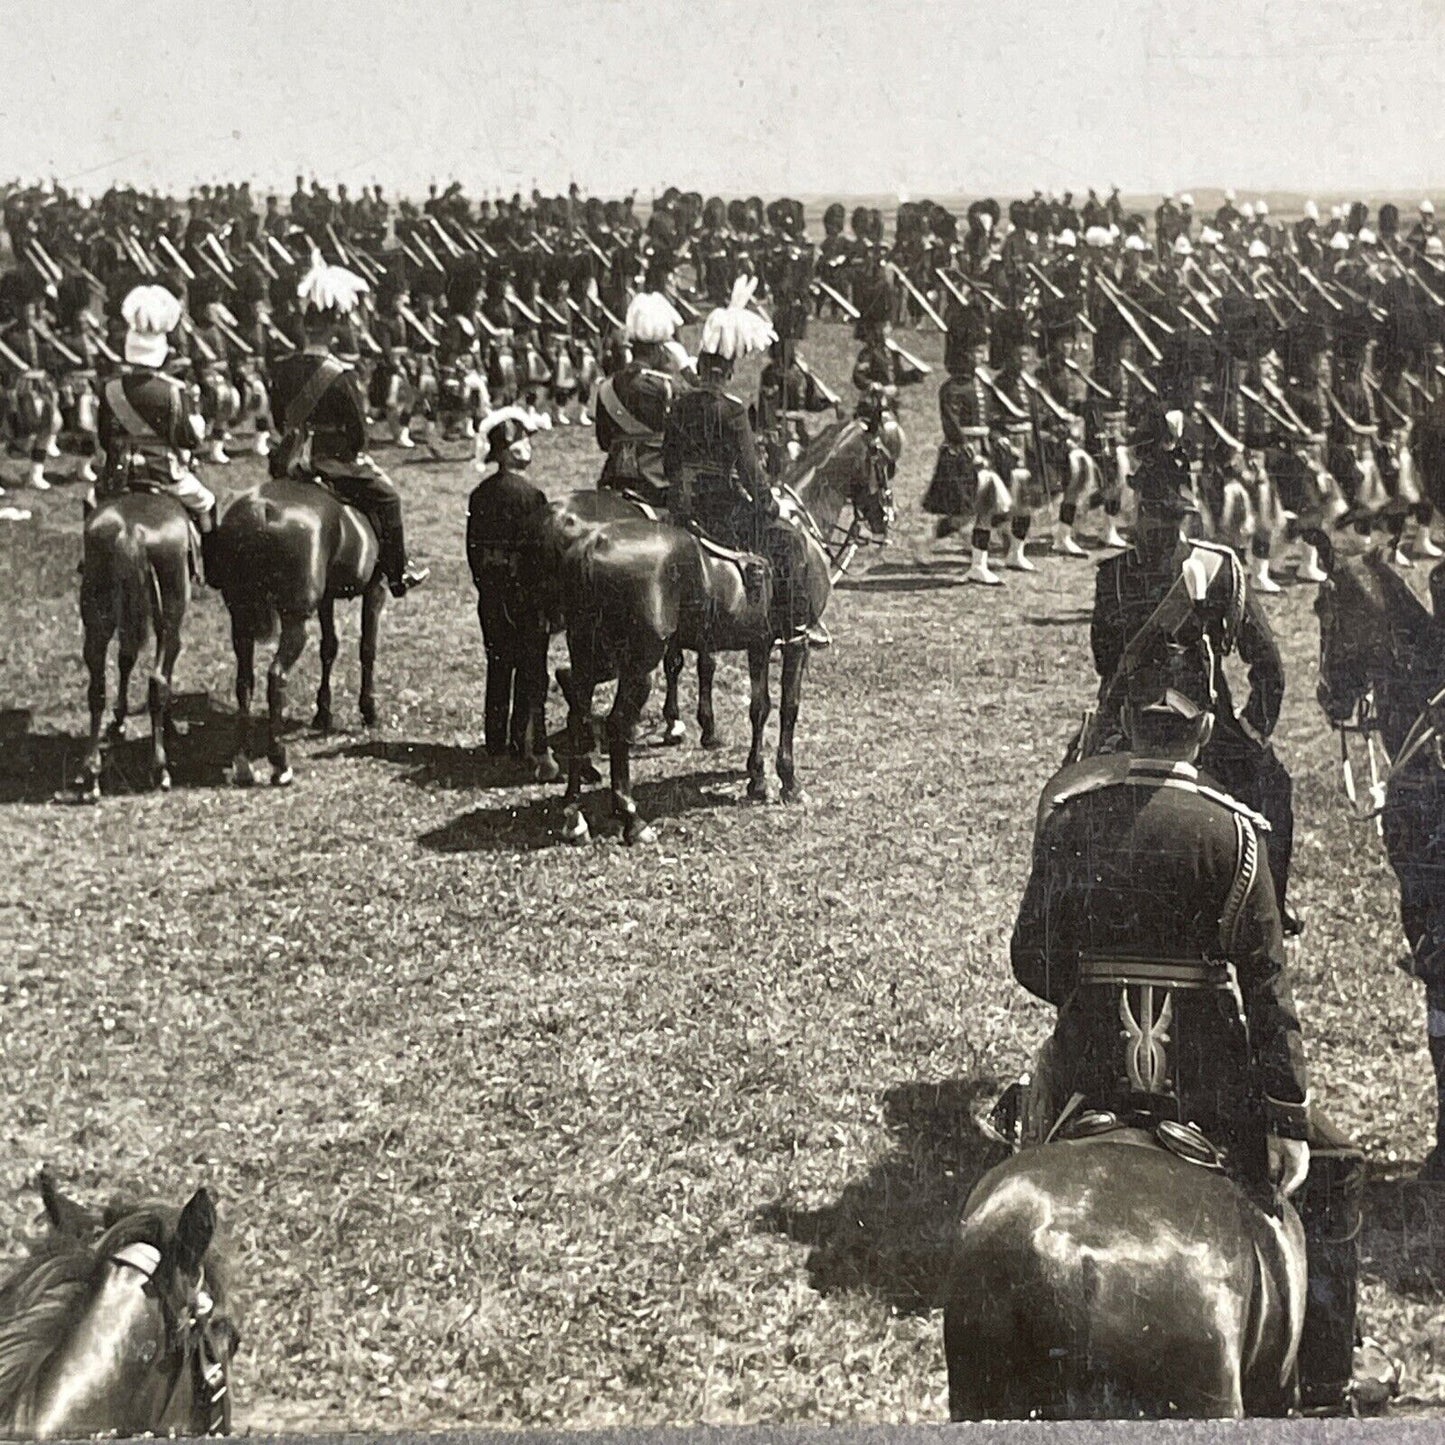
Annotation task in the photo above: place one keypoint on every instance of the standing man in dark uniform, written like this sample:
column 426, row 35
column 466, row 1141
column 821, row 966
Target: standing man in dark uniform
column 505, row 520
column 633, row 404
column 1128, row 588
column 318, row 404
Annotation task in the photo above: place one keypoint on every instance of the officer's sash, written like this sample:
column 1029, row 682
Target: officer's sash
column 305, row 402
column 132, row 423
column 633, row 426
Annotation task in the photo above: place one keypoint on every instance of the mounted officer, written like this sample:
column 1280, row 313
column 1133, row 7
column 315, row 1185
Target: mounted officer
column 1150, row 902
column 1130, row 586
column 147, row 424
column 633, row 404
column 318, row 404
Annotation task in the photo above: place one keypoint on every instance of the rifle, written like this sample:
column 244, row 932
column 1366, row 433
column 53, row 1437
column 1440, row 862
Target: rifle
column 14, row 357
column 219, row 250
column 414, row 321
column 523, row 307
column 219, row 274
column 47, row 335
column 97, row 338
column 1139, row 376
column 446, row 239
column 689, row 312
column 182, row 265
column 972, row 285
column 1037, row 273
column 918, row 296
column 1218, row 428
column 234, row 337
column 851, row 311
column 824, row 390
column 586, row 320
column 1088, row 380
column 1117, row 302
column 208, row 352
column 1277, row 417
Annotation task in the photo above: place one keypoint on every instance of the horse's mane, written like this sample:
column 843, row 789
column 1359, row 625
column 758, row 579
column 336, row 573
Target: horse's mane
column 40, row 1300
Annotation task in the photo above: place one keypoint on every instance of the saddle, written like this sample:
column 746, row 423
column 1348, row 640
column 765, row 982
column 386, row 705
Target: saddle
column 756, row 572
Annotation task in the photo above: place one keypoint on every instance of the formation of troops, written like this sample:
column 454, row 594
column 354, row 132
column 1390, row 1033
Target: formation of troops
column 1229, row 375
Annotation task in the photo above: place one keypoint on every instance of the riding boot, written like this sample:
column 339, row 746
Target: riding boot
column 1331, row 1208
column 210, row 564
column 391, row 543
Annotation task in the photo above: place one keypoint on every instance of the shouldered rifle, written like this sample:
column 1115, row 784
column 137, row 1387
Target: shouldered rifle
column 208, row 352
column 972, row 285
column 1088, row 380
column 585, row 319
column 416, row 324
column 824, row 390
column 523, row 307
column 181, row 264
column 918, row 296
column 1139, row 376
column 43, row 330
column 98, row 340
column 1218, row 428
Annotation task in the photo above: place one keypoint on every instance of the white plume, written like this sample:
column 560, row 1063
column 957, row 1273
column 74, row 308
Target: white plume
column 151, row 310
column 733, row 330
column 327, row 288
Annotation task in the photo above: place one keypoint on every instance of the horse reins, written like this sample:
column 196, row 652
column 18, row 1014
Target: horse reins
column 211, row 1379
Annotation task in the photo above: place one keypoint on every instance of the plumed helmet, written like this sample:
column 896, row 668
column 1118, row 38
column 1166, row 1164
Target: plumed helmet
column 151, row 313
column 330, row 289
column 500, row 429
column 652, row 318
column 734, row 331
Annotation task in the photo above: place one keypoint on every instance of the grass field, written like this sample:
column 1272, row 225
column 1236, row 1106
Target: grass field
column 506, row 1132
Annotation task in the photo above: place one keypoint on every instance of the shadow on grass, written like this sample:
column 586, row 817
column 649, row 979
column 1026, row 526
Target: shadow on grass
column 898, row 582
column 890, row 1233
column 34, row 766
column 1059, row 619
column 531, row 826
column 1403, row 1242
column 440, row 765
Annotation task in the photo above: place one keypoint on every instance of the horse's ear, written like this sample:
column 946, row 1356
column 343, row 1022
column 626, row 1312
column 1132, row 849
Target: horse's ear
column 194, row 1231
column 65, row 1215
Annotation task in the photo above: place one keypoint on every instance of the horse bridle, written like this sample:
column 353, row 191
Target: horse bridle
column 209, row 1371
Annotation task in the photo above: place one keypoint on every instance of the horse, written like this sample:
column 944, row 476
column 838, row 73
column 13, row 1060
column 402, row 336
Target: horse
column 1382, row 664
column 632, row 587
column 135, row 587
column 289, row 551
column 1104, row 1276
column 118, row 1324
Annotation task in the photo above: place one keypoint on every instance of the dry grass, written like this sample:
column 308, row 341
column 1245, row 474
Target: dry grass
column 508, row 1133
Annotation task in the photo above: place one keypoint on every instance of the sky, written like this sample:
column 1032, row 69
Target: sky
column 728, row 96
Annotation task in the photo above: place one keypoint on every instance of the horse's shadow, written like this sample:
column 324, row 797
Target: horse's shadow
column 1403, row 1241
column 531, row 826
column 36, row 767
column 443, row 766
column 890, row 1234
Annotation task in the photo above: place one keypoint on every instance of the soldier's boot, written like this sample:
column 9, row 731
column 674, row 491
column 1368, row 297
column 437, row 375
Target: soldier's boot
column 1309, row 569
column 978, row 568
column 210, row 565
column 262, row 445
column 1064, row 543
column 1263, row 582
column 36, row 477
column 1331, row 1208
column 391, row 543
column 1017, row 558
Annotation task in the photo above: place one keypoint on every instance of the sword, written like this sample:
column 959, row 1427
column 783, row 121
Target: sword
column 918, row 296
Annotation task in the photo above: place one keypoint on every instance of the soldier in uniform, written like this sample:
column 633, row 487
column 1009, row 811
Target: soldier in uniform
column 878, row 364
column 1130, row 585
column 965, row 484
column 147, row 424
column 393, row 389
column 505, row 519
column 633, row 404
column 317, row 401
column 1150, row 899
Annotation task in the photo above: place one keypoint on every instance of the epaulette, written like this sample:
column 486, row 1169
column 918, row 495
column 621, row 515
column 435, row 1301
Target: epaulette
column 1112, row 770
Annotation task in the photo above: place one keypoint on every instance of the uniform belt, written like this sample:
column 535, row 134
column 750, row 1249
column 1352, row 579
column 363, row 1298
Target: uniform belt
column 1019, row 428
column 1187, row 973
column 973, row 431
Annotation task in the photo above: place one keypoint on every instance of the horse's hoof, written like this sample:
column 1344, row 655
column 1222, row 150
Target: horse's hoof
column 590, row 775
column 574, row 826
column 546, row 770
column 757, row 791
column 163, row 780
column 242, row 775
column 282, row 777
column 636, row 833
column 712, row 741
column 368, row 713
column 115, row 732
column 84, row 791
column 673, row 733
column 795, row 794
column 322, row 721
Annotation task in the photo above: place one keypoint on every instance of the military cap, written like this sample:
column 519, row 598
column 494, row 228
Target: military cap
column 967, row 329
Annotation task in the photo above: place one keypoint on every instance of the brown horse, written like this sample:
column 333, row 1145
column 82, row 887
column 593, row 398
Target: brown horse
column 289, row 551
column 1105, row 1277
column 631, row 588
column 135, row 587
column 118, row 1325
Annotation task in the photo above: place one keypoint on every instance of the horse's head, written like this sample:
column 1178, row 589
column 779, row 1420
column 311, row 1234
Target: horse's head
column 872, row 492
column 120, row 1325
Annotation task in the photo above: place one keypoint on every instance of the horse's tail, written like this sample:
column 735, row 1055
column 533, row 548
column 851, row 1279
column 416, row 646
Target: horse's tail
column 245, row 565
column 120, row 592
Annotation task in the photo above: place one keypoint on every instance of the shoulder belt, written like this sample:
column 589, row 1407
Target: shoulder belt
column 309, row 397
column 1182, row 785
column 1245, row 872
column 132, row 422
column 634, row 426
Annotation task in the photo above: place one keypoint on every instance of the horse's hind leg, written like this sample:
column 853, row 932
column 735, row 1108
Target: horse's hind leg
column 795, row 663
column 97, row 646
column 326, row 613
column 759, row 706
column 288, row 650
column 632, row 690
column 672, row 660
column 709, row 737
column 125, row 663
column 243, row 644
column 158, row 698
column 579, row 689
column 372, row 601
